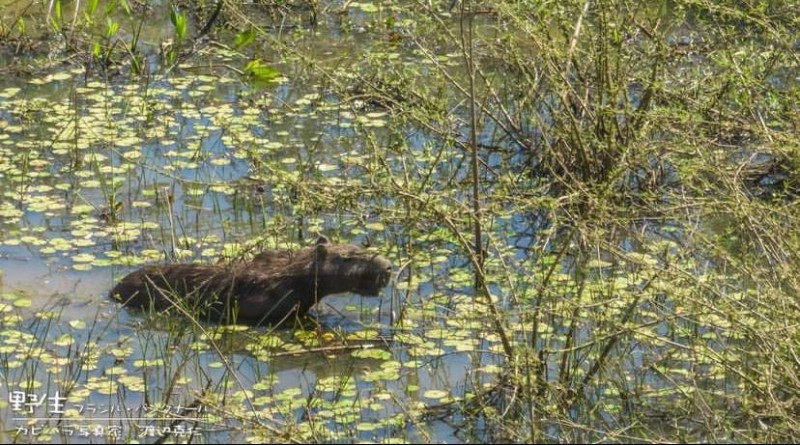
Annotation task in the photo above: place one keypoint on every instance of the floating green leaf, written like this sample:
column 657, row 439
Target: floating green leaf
column 256, row 70
column 244, row 38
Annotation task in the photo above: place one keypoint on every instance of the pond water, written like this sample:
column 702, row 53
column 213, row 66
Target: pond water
column 100, row 176
column 104, row 171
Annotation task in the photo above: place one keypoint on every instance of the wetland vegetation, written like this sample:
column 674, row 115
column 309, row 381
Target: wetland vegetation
column 591, row 210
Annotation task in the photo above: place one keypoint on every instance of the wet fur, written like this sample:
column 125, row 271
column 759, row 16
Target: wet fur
column 275, row 286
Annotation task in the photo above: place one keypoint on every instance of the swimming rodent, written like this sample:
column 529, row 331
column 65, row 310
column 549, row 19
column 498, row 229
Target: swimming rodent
column 276, row 285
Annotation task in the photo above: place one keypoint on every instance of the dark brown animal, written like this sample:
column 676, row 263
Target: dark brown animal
column 275, row 286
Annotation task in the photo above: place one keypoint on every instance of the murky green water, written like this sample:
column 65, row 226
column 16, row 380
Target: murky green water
column 100, row 176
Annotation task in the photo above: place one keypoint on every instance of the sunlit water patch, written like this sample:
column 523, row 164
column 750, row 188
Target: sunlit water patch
column 98, row 178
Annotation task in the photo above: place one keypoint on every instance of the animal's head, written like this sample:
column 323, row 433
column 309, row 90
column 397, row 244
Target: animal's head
column 349, row 268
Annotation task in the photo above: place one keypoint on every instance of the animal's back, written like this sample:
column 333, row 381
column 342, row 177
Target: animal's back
column 274, row 286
